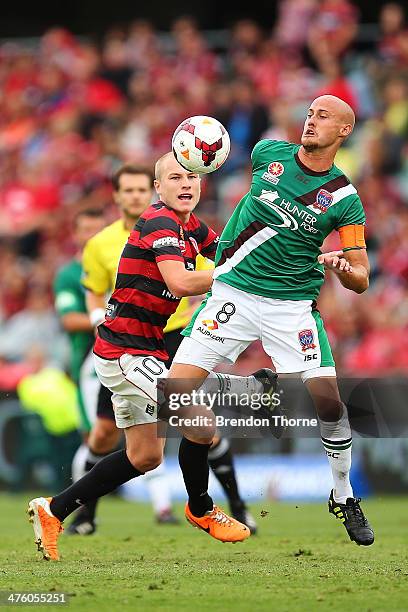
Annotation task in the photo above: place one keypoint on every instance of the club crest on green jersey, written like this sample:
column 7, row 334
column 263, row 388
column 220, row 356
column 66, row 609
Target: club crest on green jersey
column 324, row 199
column 275, row 170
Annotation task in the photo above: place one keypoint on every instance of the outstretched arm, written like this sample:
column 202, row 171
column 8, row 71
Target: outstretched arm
column 351, row 267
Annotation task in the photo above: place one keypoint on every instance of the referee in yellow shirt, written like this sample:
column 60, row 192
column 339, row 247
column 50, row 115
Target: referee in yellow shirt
column 132, row 192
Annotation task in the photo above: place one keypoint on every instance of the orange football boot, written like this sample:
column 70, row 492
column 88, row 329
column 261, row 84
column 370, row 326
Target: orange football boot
column 46, row 527
column 219, row 525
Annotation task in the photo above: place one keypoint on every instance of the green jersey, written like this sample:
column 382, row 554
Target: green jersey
column 270, row 245
column 70, row 297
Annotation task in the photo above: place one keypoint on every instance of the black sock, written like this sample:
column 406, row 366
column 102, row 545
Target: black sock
column 87, row 511
column 108, row 474
column 221, row 463
column 193, row 460
column 94, row 458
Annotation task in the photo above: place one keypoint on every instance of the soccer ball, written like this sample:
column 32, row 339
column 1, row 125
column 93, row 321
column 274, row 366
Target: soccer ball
column 201, row 144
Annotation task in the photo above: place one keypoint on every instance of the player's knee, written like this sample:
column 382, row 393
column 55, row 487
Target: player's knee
column 197, row 424
column 145, row 462
column 329, row 411
column 201, row 435
column 151, row 462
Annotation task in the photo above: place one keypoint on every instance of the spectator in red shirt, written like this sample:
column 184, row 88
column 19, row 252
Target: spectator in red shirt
column 293, row 23
column 26, row 200
column 393, row 44
column 335, row 82
column 333, row 29
column 193, row 58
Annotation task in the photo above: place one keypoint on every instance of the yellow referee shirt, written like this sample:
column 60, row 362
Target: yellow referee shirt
column 100, row 261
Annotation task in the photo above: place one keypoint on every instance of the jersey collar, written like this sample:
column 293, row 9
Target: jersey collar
column 307, row 170
column 160, row 204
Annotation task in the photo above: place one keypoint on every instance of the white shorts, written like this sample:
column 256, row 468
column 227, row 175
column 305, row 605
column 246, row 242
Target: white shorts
column 133, row 382
column 89, row 386
column 229, row 320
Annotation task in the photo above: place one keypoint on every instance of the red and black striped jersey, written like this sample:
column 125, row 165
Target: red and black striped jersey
column 141, row 303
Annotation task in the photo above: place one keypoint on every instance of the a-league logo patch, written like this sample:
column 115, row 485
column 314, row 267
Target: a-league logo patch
column 324, row 200
column 210, row 324
column 306, row 339
column 275, row 170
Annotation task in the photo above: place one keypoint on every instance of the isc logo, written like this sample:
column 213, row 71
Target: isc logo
column 310, row 357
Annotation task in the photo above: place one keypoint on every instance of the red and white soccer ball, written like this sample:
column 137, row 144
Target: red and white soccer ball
column 201, row 144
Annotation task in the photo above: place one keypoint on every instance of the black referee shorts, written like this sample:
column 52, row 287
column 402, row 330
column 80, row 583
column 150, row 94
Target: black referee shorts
column 104, row 408
column 172, row 341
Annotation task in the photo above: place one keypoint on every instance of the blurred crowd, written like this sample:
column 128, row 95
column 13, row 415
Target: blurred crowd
column 72, row 110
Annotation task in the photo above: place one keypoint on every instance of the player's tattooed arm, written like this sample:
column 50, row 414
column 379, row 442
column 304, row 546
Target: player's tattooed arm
column 352, row 268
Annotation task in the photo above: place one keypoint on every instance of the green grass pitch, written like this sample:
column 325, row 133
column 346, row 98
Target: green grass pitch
column 302, row 559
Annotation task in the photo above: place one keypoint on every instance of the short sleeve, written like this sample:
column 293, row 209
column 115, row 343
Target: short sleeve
column 351, row 214
column 95, row 277
column 161, row 235
column 66, row 301
column 257, row 151
column 207, row 240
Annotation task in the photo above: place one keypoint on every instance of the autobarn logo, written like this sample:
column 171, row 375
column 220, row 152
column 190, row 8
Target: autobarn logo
column 275, row 170
column 210, row 335
column 210, row 324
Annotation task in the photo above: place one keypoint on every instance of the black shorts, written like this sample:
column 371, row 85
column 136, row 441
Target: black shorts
column 104, row 408
column 172, row 341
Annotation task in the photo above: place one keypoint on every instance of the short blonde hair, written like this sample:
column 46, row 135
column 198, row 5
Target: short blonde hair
column 159, row 164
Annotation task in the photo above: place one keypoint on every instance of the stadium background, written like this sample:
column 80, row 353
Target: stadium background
column 78, row 99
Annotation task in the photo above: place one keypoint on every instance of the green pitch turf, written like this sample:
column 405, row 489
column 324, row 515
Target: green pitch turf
column 302, row 559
